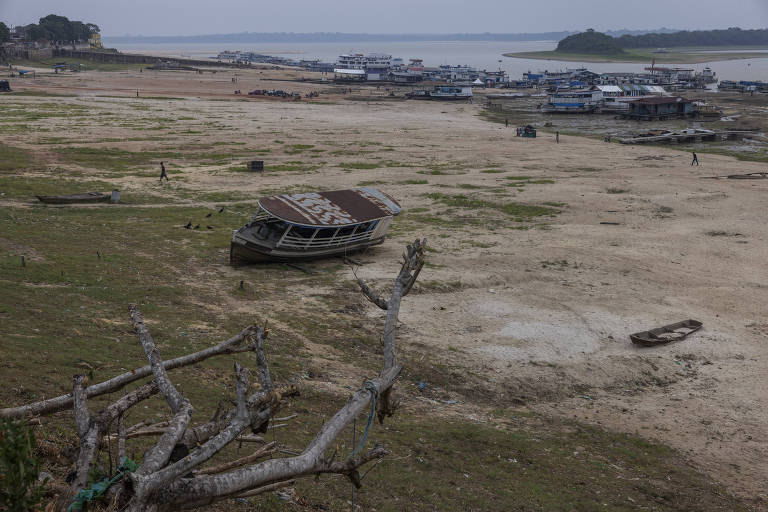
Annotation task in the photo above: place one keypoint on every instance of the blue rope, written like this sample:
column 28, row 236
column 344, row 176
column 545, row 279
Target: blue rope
column 371, row 388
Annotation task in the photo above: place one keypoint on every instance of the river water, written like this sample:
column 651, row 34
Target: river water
column 486, row 55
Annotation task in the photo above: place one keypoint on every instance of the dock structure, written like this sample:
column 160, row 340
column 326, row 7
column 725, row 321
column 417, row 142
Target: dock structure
column 686, row 137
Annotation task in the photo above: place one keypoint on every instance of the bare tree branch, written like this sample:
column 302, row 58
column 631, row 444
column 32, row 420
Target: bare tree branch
column 98, row 425
column 262, row 452
column 82, row 416
column 121, row 453
column 169, row 391
column 267, row 488
column 63, row 402
column 261, row 360
column 372, row 295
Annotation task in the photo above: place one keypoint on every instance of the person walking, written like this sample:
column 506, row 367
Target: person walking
column 695, row 159
column 557, row 137
column 163, row 173
column 506, row 122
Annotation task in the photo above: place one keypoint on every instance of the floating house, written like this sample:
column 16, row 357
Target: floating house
column 314, row 225
column 660, row 108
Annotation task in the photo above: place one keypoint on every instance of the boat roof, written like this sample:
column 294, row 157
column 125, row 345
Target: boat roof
column 334, row 208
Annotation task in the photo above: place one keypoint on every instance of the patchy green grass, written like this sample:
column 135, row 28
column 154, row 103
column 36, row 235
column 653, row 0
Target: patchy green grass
column 519, row 211
column 360, row 165
column 286, row 167
column 89, row 65
column 43, row 94
column 13, row 159
column 114, row 159
column 612, row 190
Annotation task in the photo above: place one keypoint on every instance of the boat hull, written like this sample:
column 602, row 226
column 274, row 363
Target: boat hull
column 666, row 334
column 449, row 98
column 243, row 252
column 88, row 197
column 586, row 109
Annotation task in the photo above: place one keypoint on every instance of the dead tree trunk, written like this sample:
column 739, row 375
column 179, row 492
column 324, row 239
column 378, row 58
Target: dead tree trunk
column 161, row 483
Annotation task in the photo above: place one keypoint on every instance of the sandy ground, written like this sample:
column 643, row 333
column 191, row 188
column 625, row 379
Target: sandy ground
column 544, row 314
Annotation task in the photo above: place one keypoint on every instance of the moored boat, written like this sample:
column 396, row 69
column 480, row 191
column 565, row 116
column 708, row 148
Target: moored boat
column 570, row 101
column 442, row 92
column 314, row 225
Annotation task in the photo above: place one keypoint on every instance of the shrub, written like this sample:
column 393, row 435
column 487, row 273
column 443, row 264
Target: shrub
column 19, row 489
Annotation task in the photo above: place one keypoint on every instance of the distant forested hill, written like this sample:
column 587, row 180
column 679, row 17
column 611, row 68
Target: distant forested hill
column 728, row 37
column 589, row 42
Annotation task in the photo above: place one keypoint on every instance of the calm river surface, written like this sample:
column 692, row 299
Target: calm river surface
column 479, row 54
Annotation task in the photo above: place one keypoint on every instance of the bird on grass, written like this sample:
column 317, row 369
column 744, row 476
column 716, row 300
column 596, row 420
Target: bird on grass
column 221, row 210
column 189, row 225
column 209, row 227
column 209, row 214
column 197, row 226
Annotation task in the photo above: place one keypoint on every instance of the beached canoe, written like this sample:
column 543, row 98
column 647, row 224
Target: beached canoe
column 666, row 334
column 84, row 197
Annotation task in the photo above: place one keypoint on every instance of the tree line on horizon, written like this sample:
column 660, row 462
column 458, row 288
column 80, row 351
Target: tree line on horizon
column 52, row 28
column 595, row 42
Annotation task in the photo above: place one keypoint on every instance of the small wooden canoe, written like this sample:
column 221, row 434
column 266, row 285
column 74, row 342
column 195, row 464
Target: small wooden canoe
column 84, row 197
column 666, row 334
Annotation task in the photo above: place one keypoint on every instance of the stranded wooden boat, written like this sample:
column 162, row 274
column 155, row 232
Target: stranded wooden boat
column 666, row 334
column 314, row 225
column 85, row 197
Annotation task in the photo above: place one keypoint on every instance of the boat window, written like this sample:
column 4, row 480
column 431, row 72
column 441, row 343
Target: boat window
column 367, row 226
column 302, row 231
column 325, row 232
column 345, row 231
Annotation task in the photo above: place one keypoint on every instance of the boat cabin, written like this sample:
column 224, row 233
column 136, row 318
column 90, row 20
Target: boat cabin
column 314, row 225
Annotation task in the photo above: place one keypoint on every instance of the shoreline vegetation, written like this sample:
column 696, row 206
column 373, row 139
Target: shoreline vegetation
column 687, row 55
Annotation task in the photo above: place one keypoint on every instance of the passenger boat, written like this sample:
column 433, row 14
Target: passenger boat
column 85, row 197
column 570, row 101
column 314, row 225
column 442, row 92
column 507, row 96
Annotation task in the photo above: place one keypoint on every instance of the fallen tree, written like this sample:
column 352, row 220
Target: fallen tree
column 171, row 475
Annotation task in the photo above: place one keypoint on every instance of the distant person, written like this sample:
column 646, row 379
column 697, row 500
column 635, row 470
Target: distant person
column 163, row 174
column 506, row 122
column 695, row 160
column 557, row 137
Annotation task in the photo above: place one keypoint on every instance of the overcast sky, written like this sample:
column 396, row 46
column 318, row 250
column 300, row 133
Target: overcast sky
column 192, row 17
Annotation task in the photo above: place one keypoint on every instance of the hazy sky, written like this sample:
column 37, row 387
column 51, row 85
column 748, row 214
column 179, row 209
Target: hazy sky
column 189, row 17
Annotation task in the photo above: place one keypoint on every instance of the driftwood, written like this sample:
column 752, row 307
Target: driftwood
column 171, row 475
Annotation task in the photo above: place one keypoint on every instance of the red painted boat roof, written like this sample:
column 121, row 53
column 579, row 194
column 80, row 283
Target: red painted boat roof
column 334, row 208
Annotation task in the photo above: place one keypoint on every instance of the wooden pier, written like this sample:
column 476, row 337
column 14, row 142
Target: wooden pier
column 682, row 138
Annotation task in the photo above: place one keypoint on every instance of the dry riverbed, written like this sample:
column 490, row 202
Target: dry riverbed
column 544, row 258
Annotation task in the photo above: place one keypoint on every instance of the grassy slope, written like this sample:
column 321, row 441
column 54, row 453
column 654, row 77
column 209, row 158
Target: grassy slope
column 85, row 265
column 675, row 55
column 90, row 65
